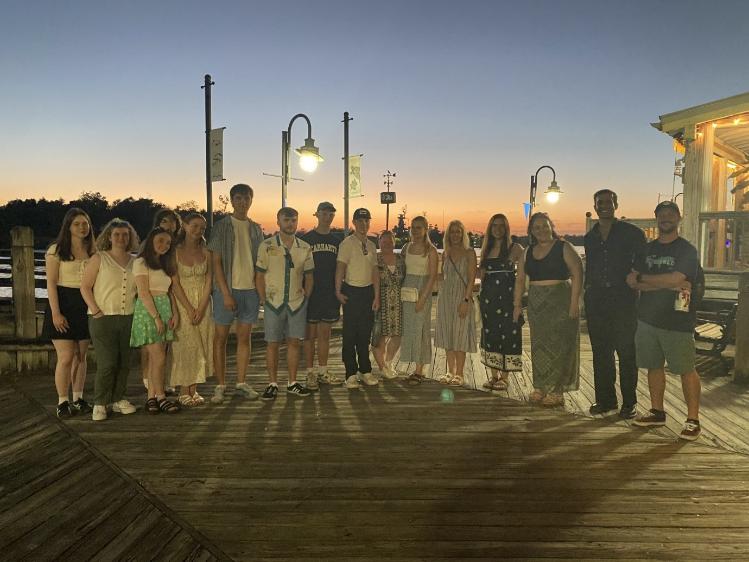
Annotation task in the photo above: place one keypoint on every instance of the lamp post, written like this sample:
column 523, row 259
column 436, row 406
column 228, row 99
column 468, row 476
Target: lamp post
column 309, row 154
column 552, row 192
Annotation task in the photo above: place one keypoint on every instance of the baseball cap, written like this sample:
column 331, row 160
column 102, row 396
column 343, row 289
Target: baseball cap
column 362, row 213
column 325, row 206
column 667, row 205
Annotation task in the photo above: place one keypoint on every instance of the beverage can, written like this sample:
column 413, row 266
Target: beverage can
column 681, row 303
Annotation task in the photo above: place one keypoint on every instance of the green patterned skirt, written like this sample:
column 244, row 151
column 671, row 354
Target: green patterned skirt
column 144, row 327
column 555, row 338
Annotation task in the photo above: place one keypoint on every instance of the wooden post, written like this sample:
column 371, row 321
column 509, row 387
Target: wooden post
column 741, row 369
column 22, row 268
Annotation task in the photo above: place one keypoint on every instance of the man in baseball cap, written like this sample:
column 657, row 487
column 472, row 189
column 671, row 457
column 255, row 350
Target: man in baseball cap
column 362, row 213
column 357, row 286
column 664, row 276
column 323, row 309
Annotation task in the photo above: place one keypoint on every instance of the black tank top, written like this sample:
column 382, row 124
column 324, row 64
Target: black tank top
column 550, row 268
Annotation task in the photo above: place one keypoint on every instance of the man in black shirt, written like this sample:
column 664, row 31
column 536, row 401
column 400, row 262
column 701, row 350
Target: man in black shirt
column 323, row 309
column 610, row 305
column 664, row 275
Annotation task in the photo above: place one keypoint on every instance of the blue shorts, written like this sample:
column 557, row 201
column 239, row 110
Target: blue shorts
column 248, row 305
column 285, row 324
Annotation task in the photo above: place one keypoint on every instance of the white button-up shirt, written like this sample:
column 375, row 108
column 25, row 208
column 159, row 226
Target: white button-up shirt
column 284, row 271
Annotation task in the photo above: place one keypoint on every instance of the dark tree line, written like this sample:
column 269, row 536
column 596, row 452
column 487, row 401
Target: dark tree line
column 45, row 216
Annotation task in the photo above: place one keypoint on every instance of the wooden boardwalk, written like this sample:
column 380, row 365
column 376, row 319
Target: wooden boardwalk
column 61, row 499
column 392, row 472
column 724, row 410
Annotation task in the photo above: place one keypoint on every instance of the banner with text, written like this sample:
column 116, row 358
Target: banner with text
column 217, row 154
column 354, row 176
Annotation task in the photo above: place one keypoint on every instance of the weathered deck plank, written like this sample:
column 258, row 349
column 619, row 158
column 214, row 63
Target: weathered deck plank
column 393, row 472
column 59, row 499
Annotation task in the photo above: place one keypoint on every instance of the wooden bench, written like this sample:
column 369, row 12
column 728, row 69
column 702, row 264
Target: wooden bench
column 717, row 331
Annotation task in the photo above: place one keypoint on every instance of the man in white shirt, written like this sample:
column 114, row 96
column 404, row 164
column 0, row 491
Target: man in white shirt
column 357, row 284
column 284, row 282
column 234, row 243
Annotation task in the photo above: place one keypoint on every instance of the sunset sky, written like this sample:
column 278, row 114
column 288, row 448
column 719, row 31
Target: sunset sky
column 464, row 100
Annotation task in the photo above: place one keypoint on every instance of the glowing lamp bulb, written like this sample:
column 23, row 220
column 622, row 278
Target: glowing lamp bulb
column 308, row 162
column 552, row 196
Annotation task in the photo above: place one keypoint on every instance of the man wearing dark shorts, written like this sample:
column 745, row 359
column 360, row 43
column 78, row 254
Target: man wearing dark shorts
column 664, row 274
column 323, row 308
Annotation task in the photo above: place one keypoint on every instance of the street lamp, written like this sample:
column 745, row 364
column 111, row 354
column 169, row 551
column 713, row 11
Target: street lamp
column 309, row 154
column 552, row 192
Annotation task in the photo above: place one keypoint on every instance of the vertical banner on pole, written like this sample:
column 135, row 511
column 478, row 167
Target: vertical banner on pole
column 217, row 154
column 354, row 181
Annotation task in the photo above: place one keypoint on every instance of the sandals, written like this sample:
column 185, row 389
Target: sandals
column 186, row 400
column 415, row 378
column 495, row 384
column 536, row 396
column 552, row 400
column 198, row 399
column 167, row 406
column 152, row 406
column 446, row 378
column 456, row 380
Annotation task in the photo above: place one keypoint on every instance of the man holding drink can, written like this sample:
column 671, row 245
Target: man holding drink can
column 664, row 275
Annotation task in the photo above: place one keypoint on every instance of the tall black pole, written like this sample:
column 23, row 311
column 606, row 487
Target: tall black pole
column 208, row 185
column 346, row 119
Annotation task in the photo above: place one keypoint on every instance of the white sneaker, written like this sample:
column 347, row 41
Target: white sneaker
column 370, row 379
column 246, row 390
column 99, row 414
column 218, row 394
column 312, row 379
column 352, row 383
column 123, row 407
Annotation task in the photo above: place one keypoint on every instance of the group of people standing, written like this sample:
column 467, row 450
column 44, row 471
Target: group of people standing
column 177, row 300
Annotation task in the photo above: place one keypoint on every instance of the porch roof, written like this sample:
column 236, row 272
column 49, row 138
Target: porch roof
column 729, row 116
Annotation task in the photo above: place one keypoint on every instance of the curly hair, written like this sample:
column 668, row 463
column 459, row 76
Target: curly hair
column 104, row 240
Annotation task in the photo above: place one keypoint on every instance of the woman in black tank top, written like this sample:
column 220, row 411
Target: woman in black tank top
column 555, row 272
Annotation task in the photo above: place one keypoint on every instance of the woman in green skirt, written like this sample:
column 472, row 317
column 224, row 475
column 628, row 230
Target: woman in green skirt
column 155, row 317
column 555, row 273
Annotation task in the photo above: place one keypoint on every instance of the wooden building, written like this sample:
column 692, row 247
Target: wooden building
column 714, row 140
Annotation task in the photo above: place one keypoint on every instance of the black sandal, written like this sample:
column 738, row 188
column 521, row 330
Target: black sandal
column 152, row 406
column 167, row 406
column 415, row 378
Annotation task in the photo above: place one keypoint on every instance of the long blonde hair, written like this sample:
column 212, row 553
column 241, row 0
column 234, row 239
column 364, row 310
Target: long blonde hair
column 427, row 241
column 446, row 236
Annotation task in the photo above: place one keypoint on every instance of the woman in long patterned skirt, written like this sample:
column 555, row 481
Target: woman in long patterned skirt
column 501, row 336
column 456, row 324
column 192, row 350
column 555, row 273
column 421, row 259
column 386, row 336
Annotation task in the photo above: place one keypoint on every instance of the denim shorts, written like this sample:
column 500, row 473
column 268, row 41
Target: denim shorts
column 657, row 347
column 285, row 324
column 248, row 305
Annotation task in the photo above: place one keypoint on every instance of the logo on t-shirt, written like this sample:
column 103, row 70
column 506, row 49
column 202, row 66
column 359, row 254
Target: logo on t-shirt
column 660, row 262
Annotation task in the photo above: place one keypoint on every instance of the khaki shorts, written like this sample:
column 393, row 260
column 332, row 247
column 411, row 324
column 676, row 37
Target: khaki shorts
column 657, row 347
